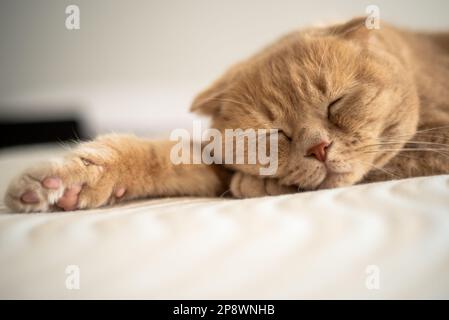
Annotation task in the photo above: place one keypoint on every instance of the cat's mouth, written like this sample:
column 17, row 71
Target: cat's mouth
column 336, row 172
column 337, row 167
column 330, row 174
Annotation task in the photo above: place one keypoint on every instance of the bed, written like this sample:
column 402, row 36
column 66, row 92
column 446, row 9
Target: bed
column 383, row 240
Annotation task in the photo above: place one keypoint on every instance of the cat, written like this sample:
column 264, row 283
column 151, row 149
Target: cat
column 351, row 105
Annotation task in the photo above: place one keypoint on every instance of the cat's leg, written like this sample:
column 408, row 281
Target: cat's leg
column 109, row 169
column 244, row 185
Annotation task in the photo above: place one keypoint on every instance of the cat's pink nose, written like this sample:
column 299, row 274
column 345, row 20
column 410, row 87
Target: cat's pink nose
column 319, row 151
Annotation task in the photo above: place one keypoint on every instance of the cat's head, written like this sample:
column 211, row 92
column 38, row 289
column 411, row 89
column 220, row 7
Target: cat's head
column 342, row 98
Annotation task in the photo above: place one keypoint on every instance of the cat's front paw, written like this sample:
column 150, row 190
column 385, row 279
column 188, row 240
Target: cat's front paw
column 248, row 186
column 84, row 178
column 35, row 190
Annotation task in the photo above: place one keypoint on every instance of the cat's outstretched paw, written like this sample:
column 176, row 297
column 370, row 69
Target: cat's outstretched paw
column 84, row 178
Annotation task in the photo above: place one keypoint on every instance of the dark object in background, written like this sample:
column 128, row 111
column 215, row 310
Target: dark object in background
column 19, row 132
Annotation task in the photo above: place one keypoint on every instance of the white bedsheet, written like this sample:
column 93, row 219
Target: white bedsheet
column 324, row 244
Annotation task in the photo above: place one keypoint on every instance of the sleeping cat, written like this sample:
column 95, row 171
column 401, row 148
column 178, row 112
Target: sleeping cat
column 352, row 105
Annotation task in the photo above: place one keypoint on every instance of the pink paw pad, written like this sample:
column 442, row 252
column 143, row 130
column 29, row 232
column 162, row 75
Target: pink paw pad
column 51, row 183
column 120, row 192
column 69, row 200
column 29, row 197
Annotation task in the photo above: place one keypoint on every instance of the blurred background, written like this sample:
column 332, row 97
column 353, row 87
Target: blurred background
column 134, row 66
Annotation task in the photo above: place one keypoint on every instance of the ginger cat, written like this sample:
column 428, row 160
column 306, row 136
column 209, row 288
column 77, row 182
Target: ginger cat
column 352, row 105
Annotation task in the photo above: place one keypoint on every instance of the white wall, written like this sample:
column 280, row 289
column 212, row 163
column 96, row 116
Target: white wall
column 135, row 65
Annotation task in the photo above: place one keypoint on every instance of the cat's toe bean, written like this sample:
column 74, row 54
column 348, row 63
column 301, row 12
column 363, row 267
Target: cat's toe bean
column 29, row 197
column 69, row 199
column 52, row 182
column 120, row 192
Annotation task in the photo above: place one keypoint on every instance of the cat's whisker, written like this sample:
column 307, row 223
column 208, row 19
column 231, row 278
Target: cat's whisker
column 434, row 135
column 378, row 168
column 425, row 130
column 225, row 193
column 410, row 150
column 65, row 145
column 407, row 149
column 427, row 136
column 414, row 142
column 435, row 128
column 420, row 133
column 441, row 146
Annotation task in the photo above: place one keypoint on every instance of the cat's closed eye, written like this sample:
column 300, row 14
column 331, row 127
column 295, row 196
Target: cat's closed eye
column 287, row 136
column 331, row 107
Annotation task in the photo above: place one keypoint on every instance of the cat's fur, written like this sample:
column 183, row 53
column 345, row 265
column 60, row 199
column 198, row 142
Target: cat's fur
column 381, row 97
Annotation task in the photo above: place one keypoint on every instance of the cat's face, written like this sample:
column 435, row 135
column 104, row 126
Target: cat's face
column 343, row 104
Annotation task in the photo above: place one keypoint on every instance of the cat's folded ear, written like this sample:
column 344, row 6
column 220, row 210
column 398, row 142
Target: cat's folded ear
column 355, row 29
column 208, row 102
